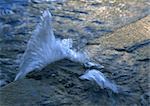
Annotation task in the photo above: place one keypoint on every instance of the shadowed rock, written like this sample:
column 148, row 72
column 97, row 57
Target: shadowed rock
column 135, row 46
column 61, row 86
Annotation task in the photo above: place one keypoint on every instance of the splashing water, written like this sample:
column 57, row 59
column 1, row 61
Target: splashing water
column 43, row 48
column 100, row 79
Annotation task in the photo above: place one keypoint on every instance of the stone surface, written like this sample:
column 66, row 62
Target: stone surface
column 125, row 55
column 81, row 20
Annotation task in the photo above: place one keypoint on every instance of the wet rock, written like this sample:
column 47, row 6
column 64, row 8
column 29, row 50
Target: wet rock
column 69, row 17
column 124, row 65
column 3, row 83
column 145, row 99
column 134, row 47
column 98, row 22
column 77, row 11
column 59, row 83
column 85, row 22
column 89, row 29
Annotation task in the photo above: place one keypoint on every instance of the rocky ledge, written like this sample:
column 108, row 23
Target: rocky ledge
column 126, row 56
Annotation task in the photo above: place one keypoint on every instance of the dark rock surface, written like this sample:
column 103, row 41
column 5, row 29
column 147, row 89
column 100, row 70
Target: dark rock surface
column 94, row 26
column 59, row 85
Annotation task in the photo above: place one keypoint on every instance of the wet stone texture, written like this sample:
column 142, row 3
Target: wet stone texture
column 115, row 34
column 125, row 56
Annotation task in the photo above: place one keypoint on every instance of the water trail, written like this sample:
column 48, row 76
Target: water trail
column 100, row 79
column 43, row 48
